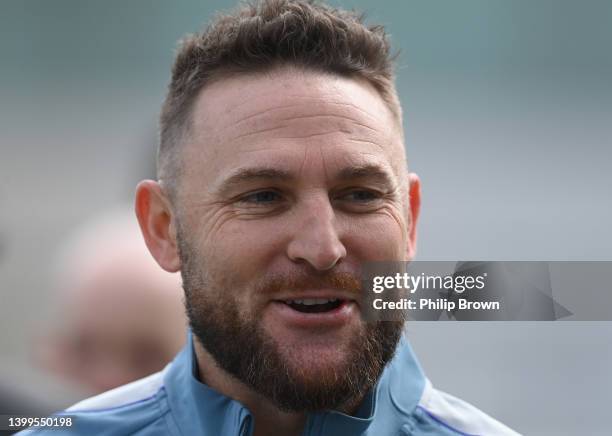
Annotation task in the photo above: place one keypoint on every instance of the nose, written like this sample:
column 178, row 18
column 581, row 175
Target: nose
column 315, row 240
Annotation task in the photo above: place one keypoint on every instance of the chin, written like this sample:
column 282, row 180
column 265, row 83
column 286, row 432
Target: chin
column 316, row 358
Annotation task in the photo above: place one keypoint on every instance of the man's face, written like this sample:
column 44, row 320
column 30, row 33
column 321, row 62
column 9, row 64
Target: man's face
column 291, row 181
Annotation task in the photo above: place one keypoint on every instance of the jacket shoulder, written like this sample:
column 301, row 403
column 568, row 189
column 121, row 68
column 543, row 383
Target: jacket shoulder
column 126, row 396
column 437, row 408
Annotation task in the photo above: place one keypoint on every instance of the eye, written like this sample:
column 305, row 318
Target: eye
column 261, row 198
column 361, row 196
column 359, row 200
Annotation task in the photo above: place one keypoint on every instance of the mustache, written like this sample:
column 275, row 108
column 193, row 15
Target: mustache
column 340, row 281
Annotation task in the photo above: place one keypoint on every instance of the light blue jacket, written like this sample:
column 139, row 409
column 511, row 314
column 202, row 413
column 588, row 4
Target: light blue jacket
column 174, row 402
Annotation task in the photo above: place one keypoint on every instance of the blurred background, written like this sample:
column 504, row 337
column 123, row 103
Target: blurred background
column 508, row 115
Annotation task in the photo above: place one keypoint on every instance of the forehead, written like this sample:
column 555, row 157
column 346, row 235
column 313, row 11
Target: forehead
column 286, row 117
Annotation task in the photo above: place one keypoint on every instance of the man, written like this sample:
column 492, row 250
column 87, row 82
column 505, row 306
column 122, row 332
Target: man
column 119, row 317
column 281, row 172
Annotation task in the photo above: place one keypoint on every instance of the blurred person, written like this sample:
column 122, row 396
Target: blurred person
column 281, row 171
column 119, row 316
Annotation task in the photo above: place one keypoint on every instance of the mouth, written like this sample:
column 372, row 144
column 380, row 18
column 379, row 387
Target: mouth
column 315, row 305
column 315, row 311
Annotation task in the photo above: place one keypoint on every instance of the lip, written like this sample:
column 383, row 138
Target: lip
column 335, row 318
column 316, row 294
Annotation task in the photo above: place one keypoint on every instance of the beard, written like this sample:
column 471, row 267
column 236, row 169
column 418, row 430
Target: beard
column 241, row 347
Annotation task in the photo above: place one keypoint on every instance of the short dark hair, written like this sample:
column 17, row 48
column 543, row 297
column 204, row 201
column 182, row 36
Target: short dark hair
column 263, row 35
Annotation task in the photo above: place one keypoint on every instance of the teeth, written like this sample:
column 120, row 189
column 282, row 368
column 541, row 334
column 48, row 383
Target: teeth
column 312, row 301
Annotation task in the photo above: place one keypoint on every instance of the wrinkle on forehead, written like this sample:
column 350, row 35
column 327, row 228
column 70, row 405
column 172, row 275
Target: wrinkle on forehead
column 306, row 99
column 314, row 123
column 301, row 121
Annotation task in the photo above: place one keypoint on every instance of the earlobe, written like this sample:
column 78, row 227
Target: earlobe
column 414, row 198
column 157, row 224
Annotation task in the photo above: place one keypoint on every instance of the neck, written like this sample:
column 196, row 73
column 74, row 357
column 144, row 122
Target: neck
column 268, row 418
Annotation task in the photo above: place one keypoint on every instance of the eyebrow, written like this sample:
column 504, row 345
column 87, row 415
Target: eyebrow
column 367, row 171
column 246, row 175
column 254, row 174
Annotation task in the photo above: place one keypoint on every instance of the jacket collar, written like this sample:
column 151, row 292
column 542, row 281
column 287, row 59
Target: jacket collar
column 198, row 409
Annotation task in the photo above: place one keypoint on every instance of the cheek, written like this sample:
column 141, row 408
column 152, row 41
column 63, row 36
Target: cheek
column 247, row 241
column 376, row 237
column 243, row 250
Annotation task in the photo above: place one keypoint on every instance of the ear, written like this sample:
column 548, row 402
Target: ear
column 157, row 223
column 414, row 199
